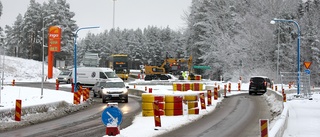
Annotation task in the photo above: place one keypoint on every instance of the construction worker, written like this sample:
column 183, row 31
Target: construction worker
column 184, row 74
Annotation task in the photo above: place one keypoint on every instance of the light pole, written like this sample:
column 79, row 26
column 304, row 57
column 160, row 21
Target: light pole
column 2, row 70
column 75, row 54
column 42, row 79
column 114, row 11
column 278, row 55
column 298, row 48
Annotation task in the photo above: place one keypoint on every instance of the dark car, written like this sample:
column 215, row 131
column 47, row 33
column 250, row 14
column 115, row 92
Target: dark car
column 111, row 90
column 259, row 84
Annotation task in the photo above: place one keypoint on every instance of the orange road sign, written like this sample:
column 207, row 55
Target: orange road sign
column 307, row 64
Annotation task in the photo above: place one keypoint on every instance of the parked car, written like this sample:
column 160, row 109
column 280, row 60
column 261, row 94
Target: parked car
column 65, row 76
column 111, row 90
column 259, row 84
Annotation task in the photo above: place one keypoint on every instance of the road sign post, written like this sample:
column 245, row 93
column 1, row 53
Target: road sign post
column 112, row 117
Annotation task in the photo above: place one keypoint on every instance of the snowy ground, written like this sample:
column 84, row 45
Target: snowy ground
column 303, row 121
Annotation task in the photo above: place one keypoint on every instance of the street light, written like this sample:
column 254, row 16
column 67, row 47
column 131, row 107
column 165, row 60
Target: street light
column 2, row 78
column 298, row 47
column 75, row 54
column 42, row 79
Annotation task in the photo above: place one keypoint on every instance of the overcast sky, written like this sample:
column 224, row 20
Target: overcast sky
column 129, row 14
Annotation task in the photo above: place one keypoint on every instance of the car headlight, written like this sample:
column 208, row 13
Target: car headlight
column 105, row 92
column 125, row 91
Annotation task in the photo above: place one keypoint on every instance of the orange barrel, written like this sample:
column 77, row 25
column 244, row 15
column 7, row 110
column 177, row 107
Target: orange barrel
column 193, row 111
column 187, row 86
column 177, row 87
column 191, row 97
column 192, row 104
column 147, row 104
column 197, row 77
column 173, row 112
column 180, row 87
column 196, row 87
column 174, row 86
column 76, row 97
column 202, row 101
column 173, row 105
column 147, row 108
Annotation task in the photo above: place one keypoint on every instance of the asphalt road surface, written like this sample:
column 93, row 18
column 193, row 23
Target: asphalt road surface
column 236, row 116
column 79, row 124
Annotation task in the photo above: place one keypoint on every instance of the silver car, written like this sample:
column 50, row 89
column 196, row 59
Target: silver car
column 65, row 76
column 111, row 90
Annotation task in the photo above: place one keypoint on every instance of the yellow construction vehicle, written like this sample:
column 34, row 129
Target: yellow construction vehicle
column 169, row 65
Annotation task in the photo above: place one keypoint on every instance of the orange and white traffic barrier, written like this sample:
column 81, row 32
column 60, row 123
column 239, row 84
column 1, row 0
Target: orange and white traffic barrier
column 13, row 82
column 86, row 94
column 18, row 110
column 215, row 94
column 57, row 84
column 264, row 127
column 197, row 77
column 156, row 114
column 225, row 91
column 202, row 101
column 284, row 97
column 239, row 86
column 76, row 97
column 289, row 85
column 173, row 105
column 72, row 87
column 229, row 87
column 209, row 97
column 177, row 86
column 187, row 86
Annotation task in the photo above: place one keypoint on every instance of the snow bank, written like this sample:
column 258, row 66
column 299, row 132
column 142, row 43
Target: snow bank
column 279, row 113
column 39, row 113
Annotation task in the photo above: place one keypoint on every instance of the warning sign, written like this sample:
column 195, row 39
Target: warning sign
column 307, row 64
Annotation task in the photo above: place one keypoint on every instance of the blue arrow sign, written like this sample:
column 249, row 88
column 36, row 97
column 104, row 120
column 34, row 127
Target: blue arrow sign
column 111, row 116
column 307, row 71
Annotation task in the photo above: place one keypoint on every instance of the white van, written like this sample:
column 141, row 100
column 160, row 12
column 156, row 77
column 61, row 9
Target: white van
column 88, row 76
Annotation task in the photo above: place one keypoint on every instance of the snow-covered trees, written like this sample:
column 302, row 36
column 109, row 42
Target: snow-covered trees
column 234, row 38
column 26, row 33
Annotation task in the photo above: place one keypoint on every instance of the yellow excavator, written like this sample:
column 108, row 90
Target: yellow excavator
column 169, row 65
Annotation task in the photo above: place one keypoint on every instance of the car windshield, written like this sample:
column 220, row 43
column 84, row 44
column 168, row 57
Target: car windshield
column 111, row 74
column 257, row 80
column 112, row 84
column 65, row 73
